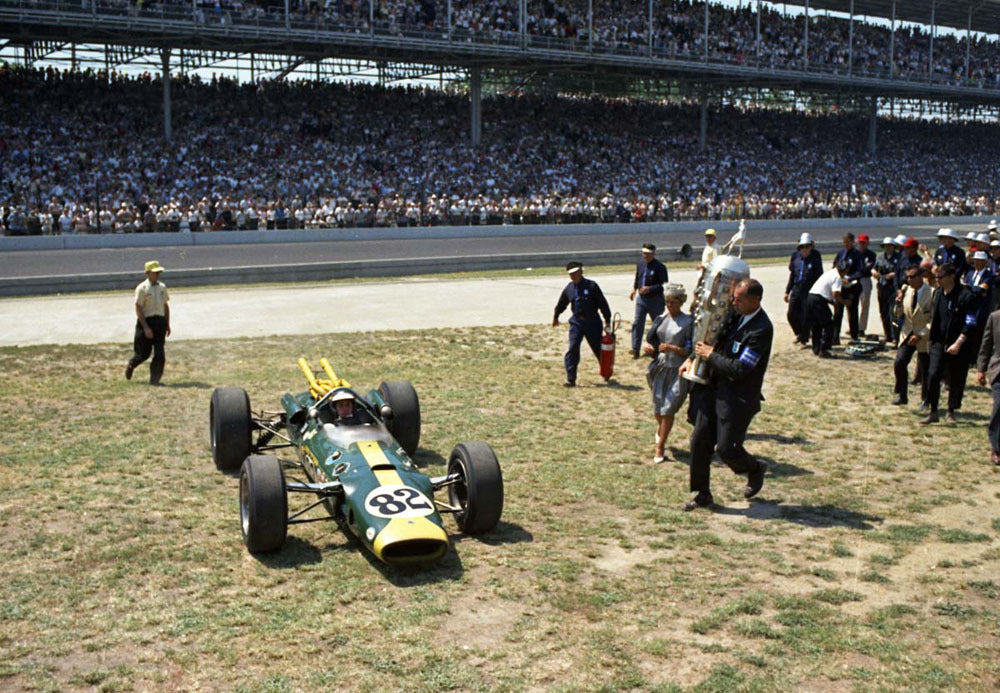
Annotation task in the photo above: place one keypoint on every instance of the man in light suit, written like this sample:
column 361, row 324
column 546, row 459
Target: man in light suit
column 914, row 305
column 722, row 410
column 988, row 371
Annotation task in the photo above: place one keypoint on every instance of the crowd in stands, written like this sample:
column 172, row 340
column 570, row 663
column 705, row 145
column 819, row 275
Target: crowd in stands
column 301, row 155
column 623, row 25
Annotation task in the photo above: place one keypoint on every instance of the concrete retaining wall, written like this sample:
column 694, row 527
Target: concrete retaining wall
column 144, row 240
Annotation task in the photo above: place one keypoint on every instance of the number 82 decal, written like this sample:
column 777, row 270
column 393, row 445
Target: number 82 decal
column 397, row 501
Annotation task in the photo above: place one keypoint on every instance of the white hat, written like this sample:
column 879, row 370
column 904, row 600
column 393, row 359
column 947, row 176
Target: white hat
column 947, row 233
column 979, row 255
column 889, row 240
column 995, row 243
column 805, row 239
column 982, row 238
column 899, row 240
column 341, row 395
column 992, row 225
column 971, row 236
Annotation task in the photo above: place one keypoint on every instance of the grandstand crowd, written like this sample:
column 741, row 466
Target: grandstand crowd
column 678, row 31
column 302, row 155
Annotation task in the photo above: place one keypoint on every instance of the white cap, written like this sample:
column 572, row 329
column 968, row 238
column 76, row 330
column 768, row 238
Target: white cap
column 979, row 255
column 971, row 236
column 992, row 225
column 341, row 395
column 947, row 233
column 995, row 243
column 805, row 239
column 899, row 240
column 982, row 238
column 889, row 240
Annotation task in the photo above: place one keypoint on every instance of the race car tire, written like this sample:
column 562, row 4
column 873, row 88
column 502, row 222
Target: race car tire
column 405, row 422
column 479, row 493
column 230, row 426
column 263, row 504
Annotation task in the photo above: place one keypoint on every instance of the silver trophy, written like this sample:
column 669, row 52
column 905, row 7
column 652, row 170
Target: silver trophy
column 715, row 304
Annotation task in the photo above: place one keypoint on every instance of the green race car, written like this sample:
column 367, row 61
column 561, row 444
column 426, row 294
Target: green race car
column 352, row 454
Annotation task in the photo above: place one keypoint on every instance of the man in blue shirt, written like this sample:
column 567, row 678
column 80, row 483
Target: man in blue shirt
column 851, row 263
column 647, row 292
column 885, row 274
column 588, row 305
column 950, row 252
column 804, row 268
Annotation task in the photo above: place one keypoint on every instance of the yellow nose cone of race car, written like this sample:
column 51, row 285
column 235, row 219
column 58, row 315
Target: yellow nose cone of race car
column 410, row 540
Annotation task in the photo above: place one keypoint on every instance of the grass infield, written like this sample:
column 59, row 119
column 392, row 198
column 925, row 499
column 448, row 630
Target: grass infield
column 870, row 562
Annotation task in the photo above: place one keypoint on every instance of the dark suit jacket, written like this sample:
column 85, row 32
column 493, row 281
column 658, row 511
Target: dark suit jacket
column 738, row 362
column 989, row 352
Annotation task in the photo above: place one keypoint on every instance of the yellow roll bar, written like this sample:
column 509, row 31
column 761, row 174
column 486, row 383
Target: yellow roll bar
column 318, row 388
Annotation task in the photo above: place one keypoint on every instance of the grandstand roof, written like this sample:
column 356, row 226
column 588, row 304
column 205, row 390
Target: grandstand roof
column 949, row 13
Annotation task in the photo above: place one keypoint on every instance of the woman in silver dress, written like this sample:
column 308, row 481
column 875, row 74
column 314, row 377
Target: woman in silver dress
column 669, row 343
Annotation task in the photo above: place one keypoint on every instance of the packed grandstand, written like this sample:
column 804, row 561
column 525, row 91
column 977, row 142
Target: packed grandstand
column 305, row 155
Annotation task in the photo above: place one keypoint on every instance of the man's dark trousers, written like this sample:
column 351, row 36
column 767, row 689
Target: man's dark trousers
column 903, row 356
column 143, row 346
column 578, row 330
column 994, row 427
column 852, row 293
column 724, row 435
column 798, row 319
column 942, row 365
column 651, row 305
column 886, row 303
column 820, row 323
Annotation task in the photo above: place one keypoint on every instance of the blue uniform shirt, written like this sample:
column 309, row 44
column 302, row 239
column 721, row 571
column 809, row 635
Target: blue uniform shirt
column 653, row 275
column 587, row 301
column 804, row 271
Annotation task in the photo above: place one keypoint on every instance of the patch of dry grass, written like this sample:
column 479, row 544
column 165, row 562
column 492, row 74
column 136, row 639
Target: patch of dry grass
column 869, row 562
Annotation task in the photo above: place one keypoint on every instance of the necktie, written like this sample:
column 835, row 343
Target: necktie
column 913, row 301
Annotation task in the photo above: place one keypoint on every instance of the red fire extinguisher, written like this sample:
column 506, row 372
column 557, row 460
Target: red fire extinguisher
column 608, row 347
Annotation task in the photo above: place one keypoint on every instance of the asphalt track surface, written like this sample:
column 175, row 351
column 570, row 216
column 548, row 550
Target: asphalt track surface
column 34, row 263
column 403, row 304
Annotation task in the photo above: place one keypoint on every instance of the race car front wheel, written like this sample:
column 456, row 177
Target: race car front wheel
column 263, row 504
column 479, row 491
column 405, row 423
column 229, row 426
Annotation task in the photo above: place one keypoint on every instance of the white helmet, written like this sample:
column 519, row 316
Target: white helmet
column 805, row 239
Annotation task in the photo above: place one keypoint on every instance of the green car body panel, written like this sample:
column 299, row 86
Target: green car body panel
column 387, row 503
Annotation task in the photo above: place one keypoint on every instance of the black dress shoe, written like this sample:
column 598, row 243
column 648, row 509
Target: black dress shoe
column 569, row 383
column 755, row 481
column 702, row 500
column 925, row 406
column 128, row 371
column 825, row 354
column 898, row 400
column 930, row 418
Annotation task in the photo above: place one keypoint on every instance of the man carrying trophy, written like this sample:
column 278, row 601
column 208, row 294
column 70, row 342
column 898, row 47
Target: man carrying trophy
column 732, row 349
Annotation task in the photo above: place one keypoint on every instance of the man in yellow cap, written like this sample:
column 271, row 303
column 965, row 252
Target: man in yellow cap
column 152, row 326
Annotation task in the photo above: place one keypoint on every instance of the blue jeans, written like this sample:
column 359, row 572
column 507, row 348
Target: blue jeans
column 651, row 305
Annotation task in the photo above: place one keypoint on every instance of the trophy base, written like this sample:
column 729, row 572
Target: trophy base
column 690, row 375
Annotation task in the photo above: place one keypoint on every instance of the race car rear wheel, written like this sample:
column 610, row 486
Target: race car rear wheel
column 405, row 423
column 263, row 504
column 479, row 492
column 229, row 427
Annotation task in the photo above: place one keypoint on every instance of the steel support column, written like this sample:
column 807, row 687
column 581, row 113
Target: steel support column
column 590, row 25
column 649, row 26
column 371, row 17
column 805, row 49
column 850, row 41
column 758, row 33
column 288, row 15
column 968, row 44
column 476, row 104
column 165, row 75
column 522, row 14
column 706, row 32
column 872, row 121
column 892, row 42
column 703, row 125
column 449, row 18
column 930, row 53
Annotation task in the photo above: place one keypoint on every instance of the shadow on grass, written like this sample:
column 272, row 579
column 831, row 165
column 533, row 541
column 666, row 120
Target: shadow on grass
column 448, row 567
column 615, row 385
column 294, row 553
column 423, row 457
column 779, row 438
column 821, row 516
column 196, row 384
column 503, row 533
column 774, row 467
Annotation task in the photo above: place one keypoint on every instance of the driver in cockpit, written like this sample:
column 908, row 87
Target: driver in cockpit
column 343, row 403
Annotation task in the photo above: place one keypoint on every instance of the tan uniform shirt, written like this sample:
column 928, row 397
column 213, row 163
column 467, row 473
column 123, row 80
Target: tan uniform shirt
column 917, row 318
column 708, row 254
column 152, row 298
